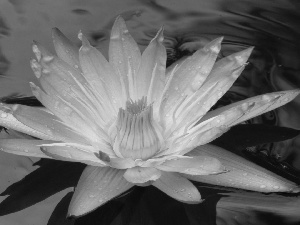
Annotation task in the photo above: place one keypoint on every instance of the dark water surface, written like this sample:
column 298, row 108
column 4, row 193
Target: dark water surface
column 271, row 26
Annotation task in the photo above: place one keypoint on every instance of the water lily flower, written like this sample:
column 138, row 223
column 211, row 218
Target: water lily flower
column 132, row 121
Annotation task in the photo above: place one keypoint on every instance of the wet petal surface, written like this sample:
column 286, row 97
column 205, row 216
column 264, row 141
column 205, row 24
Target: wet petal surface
column 96, row 186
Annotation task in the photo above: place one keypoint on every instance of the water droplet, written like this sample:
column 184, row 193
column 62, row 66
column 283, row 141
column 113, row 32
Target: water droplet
column 37, row 52
column 92, row 196
column 182, row 190
column 45, row 71
column 245, row 174
column 48, row 59
column 76, row 66
column 4, row 115
column 80, row 35
column 262, row 186
column 100, row 200
column 176, row 88
column 285, row 99
column 26, row 151
column 276, row 187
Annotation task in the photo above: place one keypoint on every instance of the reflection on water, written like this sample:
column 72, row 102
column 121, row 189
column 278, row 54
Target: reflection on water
column 270, row 26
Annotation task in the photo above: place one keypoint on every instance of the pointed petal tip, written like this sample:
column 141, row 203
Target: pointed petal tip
column 85, row 42
column 219, row 39
column 56, row 32
column 242, row 56
column 34, row 89
column 247, row 52
column 160, row 35
column 119, row 20
column 290, row 95
column 214, row 45
column 119, row 28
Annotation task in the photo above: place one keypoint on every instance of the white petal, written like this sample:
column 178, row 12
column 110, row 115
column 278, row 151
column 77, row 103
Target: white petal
column 188, row 78
column 8, row 120
column 124, row 54
column 139, row 175
column 69, row 115
column 47, row 123
column 194, row 166
column 259, row 105
column 97, row 186
column 178, row 188
column 67, row 83
column 72, row 154
column 242, row 173
column 101, row 77
column 23, row 147
column 150, row 78
column 215, row 86
column 64, row 48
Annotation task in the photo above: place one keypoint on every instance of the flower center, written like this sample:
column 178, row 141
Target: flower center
column 138, row 135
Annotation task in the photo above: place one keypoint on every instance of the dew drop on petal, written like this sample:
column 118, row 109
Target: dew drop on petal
column 48, row 59
column 37, row 52
column 3, row 115
column 245, row 174
column 276, row 187
column 262, row 186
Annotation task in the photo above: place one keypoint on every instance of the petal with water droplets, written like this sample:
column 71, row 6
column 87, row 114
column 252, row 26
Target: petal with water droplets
column 241, row 173
column 187, row 78
column 72, row 154
column 178, row 188
column 47, row 123
column 69, row 115
column 193, row 166
column 8, row 120
column 64, row 48
column 150, row 79
column 259, row 105
column 101, row 76
column 124, row 53
column 139, row 175
column 24, row 147
column 97, row 186
column 220, row 79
